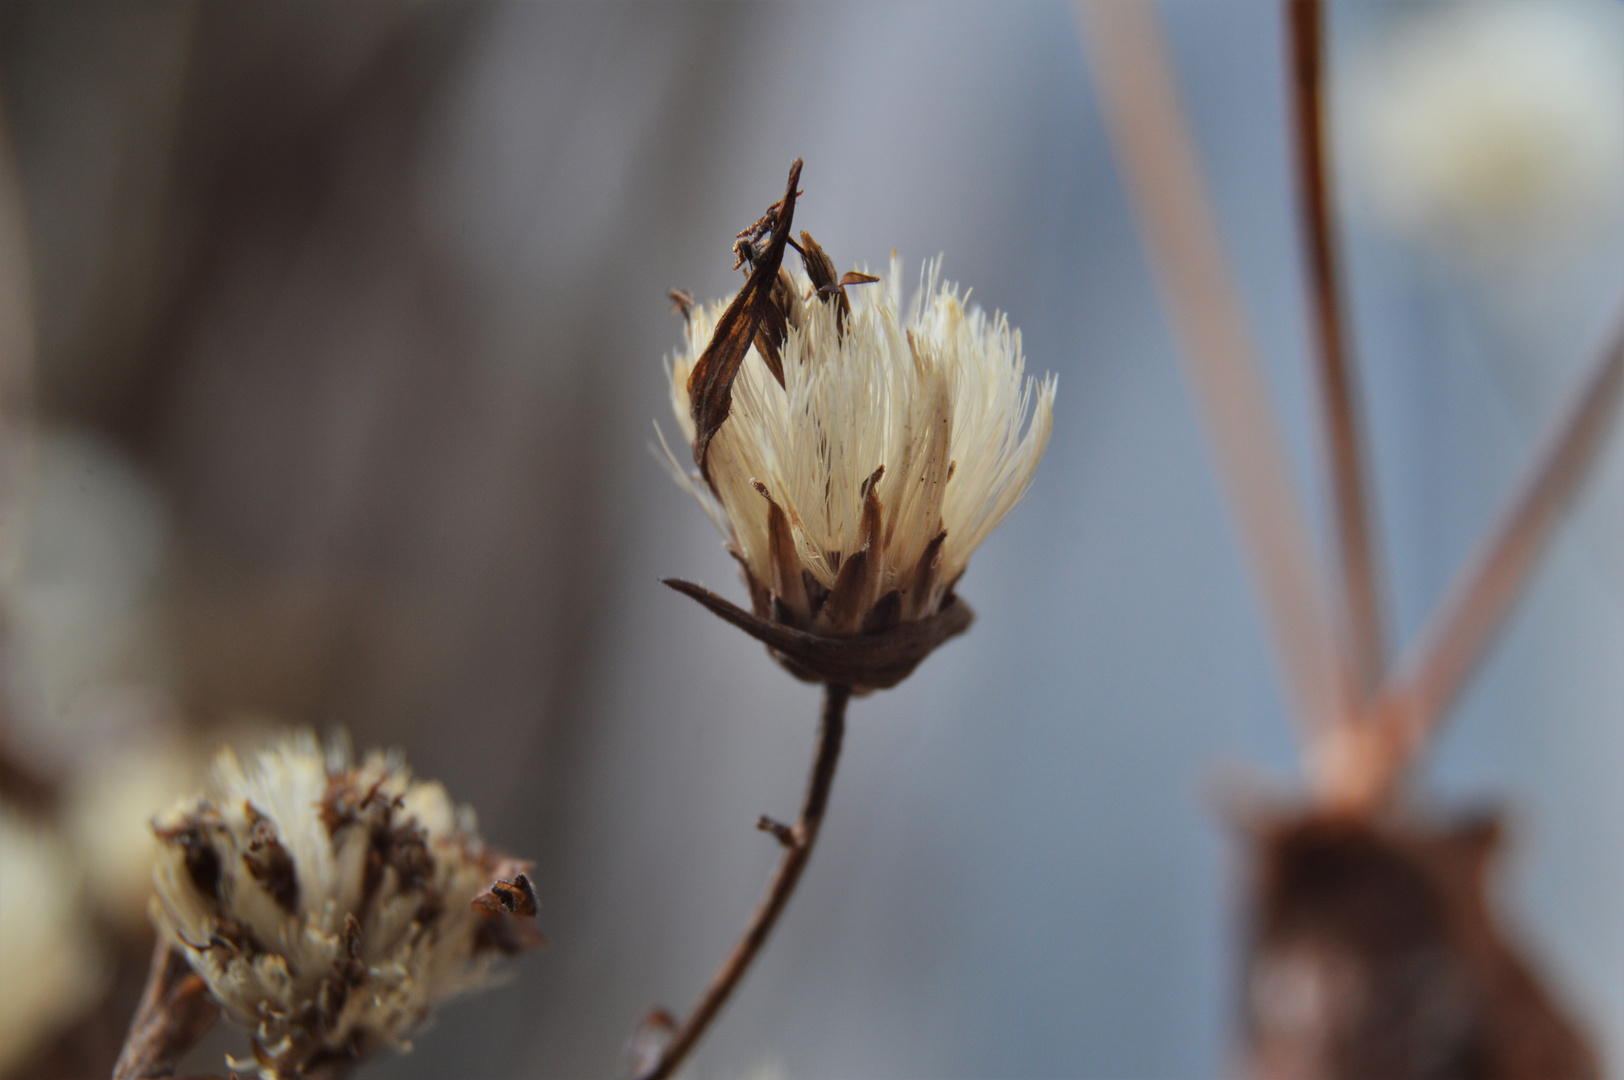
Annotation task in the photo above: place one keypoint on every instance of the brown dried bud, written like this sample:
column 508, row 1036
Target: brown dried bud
column 1376, row 952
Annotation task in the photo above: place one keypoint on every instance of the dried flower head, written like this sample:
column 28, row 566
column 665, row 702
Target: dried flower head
column 853, row 447
column 330, row 905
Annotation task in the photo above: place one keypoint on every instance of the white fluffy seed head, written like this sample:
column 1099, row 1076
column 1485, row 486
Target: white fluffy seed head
column 933, row 392
column 328, row 905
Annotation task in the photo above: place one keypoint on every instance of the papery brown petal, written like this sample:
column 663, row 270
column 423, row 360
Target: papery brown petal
column 873, row 662
column 710, row 384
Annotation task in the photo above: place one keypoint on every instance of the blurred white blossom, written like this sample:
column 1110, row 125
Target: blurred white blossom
column 330, row 905
column 49, row 968
column 107, row 817
column 1494, row 125
column 86, row 644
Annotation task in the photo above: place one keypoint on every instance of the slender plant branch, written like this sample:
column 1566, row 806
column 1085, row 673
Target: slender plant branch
column 1415, row 699
column 1138, row 94
column 1339, row 394
column 797, row 841
column 175, row 1011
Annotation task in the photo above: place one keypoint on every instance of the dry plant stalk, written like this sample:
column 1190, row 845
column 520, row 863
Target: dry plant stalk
column 1375, row 950
column 853, row 452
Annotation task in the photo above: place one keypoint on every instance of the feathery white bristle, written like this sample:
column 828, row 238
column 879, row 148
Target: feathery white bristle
column 934, row 392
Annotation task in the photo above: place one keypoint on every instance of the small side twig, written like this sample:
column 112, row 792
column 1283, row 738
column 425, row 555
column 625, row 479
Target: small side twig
column 797, row 841
column 176, row 1010
column 1339, row 395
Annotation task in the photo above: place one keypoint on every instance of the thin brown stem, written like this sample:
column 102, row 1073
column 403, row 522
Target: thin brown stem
column 1339, row 395
column 1162, row 175
column 797, row 842
column 175, row 1011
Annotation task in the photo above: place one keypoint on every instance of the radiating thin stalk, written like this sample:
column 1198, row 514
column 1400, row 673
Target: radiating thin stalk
column 1163, row 179
column 797, row 841
column 1339, row 394
column 1416, row 698
column 176, row 1010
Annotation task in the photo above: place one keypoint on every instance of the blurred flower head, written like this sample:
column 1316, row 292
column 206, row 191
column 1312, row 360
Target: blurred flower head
column 330, row 905
column 854, row 488
column 106, row 821
column 51, row 969
column 87, row 649
column 1494, row 124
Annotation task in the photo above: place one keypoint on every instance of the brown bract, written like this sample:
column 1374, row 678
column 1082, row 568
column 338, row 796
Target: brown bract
column 1376, row 952
column 863, row 662
column 710, row 385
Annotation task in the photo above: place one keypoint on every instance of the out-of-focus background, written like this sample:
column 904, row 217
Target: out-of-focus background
column 349, row 326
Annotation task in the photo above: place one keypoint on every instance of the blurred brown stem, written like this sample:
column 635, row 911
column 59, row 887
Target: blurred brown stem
column 175, row 1012
column 797, row 841
column 1417, row 695
column 1162, row 175
column 1339, row 395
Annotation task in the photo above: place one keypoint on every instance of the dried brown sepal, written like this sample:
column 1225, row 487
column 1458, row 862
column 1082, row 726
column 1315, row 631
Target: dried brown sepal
column 925, row 574
column 198, row 853
column 710, row 384
column 857, row 582
column 508, row 910
column 268, row 861
column 1375, row 951
column 767, row 345
column 682, row 303
column 820, row 270
column 516, row 897
column 863, row 663
column 788, row 587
